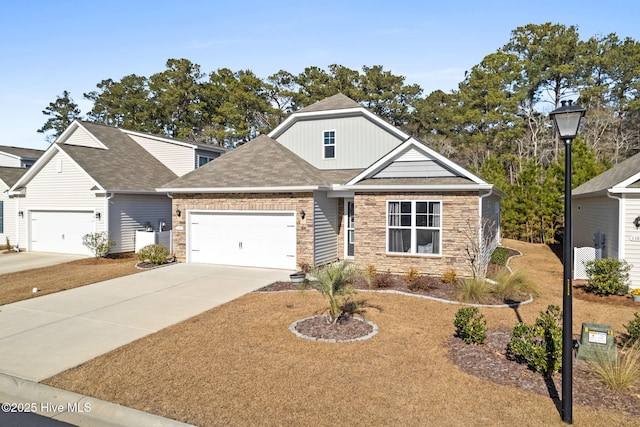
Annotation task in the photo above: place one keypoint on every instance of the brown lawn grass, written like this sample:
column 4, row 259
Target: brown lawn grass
column 19, row 285
column 238, row 365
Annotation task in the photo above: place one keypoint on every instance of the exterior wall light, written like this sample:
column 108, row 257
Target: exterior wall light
column 636, row 221
column 302, row 213
column 178, row 212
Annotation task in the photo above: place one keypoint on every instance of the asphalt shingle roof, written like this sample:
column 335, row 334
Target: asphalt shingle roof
column 262, row 162
column 26, row 153
column 335, row 102
column 125, row 166
column 609, row 178
column 11, row 175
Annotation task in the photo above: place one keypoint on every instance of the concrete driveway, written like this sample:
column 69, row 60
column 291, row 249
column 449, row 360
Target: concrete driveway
column 43, row 336
column 12, row 262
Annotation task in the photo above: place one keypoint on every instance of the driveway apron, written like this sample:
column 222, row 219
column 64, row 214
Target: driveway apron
column 43, row 336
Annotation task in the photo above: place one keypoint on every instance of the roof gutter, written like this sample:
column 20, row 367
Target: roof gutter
column 296, row 189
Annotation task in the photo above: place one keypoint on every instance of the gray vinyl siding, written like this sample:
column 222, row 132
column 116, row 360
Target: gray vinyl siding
column 128, row 213
column 631, row 238
column 179, row 159
column 359, row 142
column 50, row 190
column 8, row 218
column 596, row 215
column 490, row 225
column 325, row 228
column 414, row 169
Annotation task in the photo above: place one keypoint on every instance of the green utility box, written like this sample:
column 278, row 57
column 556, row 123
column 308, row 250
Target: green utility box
column 596, row 343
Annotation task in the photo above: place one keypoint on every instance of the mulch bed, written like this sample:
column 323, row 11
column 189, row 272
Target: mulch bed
column 343, row 330
column 490, row 361
column 580, row 293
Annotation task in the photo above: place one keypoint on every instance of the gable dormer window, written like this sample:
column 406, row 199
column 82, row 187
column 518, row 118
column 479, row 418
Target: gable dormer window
column 329, row 144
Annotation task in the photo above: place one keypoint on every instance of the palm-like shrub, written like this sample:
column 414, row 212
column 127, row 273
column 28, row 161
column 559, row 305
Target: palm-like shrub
column 333, row 281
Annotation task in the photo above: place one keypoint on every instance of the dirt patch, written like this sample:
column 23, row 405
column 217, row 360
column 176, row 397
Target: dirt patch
column 345, row 329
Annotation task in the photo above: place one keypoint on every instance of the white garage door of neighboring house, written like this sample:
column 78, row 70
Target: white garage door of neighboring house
column 60, row 231
column 253, row 239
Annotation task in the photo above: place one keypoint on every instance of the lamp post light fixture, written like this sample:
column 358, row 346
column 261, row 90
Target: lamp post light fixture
column 567, row 121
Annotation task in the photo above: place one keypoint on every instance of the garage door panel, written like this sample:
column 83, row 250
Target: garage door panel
column 60, row 231
column 243, row 238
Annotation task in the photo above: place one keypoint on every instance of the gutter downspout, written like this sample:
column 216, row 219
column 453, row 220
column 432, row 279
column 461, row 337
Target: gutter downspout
column 621, row 251
column 106, row 213
column 16, row 248
column 169, row 195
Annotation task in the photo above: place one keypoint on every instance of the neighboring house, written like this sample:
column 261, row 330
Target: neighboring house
column 13, row 164
column 17, row 157
column 97, row 178
column 334, row 181
column 606, row 215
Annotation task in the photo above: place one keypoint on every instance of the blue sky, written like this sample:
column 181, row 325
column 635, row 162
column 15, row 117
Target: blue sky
column 49, row 46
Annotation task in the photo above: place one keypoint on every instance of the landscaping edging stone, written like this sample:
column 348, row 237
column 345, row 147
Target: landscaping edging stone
column 370, row 335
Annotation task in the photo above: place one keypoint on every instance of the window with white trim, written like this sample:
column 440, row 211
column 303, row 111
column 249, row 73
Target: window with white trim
column 329, row 144
column 414, row 227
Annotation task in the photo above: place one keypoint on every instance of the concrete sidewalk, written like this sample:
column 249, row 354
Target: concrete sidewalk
column 12, row 262
column 43, row 336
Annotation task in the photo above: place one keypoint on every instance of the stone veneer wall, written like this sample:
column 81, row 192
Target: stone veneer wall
column 254, row 201
column 370, row 228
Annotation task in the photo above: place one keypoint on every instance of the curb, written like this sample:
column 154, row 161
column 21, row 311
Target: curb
column 20, row 395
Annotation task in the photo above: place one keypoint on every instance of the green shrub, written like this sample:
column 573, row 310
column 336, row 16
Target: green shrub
column 155, row 254
column 608, row 276
column 98, row 243
column 539, row 345
column 500, row 256
column 471, row 325
column 633, row 329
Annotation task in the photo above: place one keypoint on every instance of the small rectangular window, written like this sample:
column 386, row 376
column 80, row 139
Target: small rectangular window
column 329, row 145
column 203, row 160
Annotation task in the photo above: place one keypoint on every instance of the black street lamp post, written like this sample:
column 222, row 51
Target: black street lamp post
column 567, row 120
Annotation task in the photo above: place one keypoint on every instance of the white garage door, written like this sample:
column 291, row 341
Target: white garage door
column 60, row 231
column 255, row 239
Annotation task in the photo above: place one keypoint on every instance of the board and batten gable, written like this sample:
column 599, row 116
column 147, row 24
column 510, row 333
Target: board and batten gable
column 596, row 215
column 358, row 141
column 129, row 213
column 59, row 185
column 178, row 158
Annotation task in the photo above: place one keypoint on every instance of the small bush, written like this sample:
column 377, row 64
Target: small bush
column 371, row 271
column 500, row 256
column 450, row 277
column 539, row 345
column 383, row 281
column 633, row 329
column 98, row 243
column 411, row 275
column 476, row 290
column 471, row 325
column 608, row 276
column 621, row 374
column 423, row 283
column 155, row 254
column 514, row 285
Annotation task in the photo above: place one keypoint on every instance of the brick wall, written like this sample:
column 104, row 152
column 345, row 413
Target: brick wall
column 370, row 233
column 255, row 201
